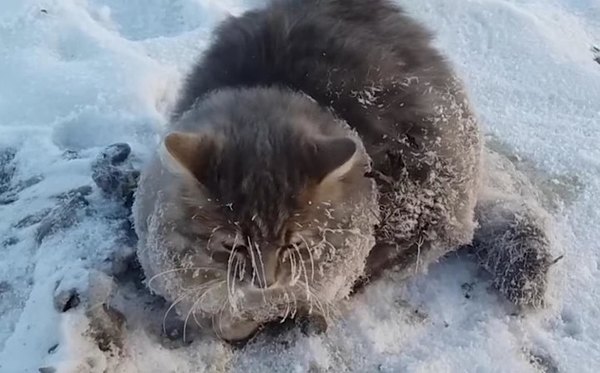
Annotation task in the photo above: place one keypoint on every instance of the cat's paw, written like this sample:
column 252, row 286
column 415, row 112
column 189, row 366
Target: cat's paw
column 313, row 324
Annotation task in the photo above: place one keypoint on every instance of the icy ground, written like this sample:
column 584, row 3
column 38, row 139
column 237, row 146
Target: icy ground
column 78, row 75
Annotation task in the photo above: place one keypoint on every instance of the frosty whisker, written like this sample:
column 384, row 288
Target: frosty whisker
column 304, row 271
column 252, row 259
column 230, row 280
column 219, row 316
column 262, row 266
column 286, row 298
column 149, row 283
column 177, row 301
column 311, row 258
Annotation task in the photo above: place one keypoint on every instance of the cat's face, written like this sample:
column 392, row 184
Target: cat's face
column 278, row 223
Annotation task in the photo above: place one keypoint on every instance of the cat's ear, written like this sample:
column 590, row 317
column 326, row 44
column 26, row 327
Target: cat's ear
column 334, row 158
column 187, row 153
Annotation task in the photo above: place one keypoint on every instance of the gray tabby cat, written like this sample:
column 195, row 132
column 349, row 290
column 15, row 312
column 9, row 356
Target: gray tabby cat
column 316, row 144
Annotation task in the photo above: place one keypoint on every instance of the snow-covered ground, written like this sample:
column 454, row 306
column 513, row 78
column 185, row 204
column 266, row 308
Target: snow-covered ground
column 78, row 75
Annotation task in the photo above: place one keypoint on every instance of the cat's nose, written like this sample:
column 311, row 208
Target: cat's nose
column 265, row 264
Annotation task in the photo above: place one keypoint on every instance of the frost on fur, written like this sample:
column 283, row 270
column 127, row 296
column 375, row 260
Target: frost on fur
column 513, row 245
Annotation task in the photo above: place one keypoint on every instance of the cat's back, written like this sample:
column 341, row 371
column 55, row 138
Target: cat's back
column 355, row 56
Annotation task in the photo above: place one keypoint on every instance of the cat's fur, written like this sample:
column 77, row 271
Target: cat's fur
column 329, row 129
column 281, row 189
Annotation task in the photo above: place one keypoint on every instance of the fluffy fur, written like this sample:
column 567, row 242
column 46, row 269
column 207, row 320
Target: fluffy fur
column 314, row 137
column 270, row 216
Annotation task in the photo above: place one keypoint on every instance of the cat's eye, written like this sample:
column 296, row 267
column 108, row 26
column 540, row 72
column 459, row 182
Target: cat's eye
column 295, row 244
column 223, row 253
column 232, row 247
column 221, row 256
column 295, row 240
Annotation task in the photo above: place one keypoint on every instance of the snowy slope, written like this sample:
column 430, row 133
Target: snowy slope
column 78, row 75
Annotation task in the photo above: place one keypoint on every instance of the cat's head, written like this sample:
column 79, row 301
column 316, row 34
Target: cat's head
column 274, row 197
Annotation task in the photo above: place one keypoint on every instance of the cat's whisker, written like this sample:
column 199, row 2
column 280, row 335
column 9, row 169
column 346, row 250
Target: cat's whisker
column 230, row 280
column 236, row 268
column 219, row 316
column 295, row 305
column 310, row 256
column 177, row 301
column 203, row 285
column 208, row 289
column 323, row 309
column 304, row 271
column 286, row 298
column 149, row 283
column 298, row 265
column 180, row 299
column 240, row 265
column 292, row 266
column 262, row 266
column 186, row 321
column 314, row 299
column 237, row 279
column 242, row 271
column 198, row 323
column 197, row 302
column 310, row 304
column 297, row 261
column 263, row 281
column 252, row 260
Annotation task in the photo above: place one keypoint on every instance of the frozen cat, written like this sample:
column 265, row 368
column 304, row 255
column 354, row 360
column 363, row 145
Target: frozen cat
column 316, row 144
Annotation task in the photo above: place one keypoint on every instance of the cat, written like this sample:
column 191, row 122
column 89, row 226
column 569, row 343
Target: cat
column 314, row 145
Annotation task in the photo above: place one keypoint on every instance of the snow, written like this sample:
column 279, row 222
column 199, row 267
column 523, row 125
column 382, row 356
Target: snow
column 79, row 75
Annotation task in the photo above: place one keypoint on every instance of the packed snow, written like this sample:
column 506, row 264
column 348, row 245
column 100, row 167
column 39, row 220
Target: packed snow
column 79, row 75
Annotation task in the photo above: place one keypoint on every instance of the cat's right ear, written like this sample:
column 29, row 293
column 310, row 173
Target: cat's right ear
column 187, row 153
column 334, row 158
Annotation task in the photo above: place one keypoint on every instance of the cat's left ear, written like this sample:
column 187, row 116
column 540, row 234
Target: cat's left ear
column 187, row 153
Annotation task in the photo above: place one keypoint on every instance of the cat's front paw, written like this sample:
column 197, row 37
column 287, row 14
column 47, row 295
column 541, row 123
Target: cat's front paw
column 235, row 330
